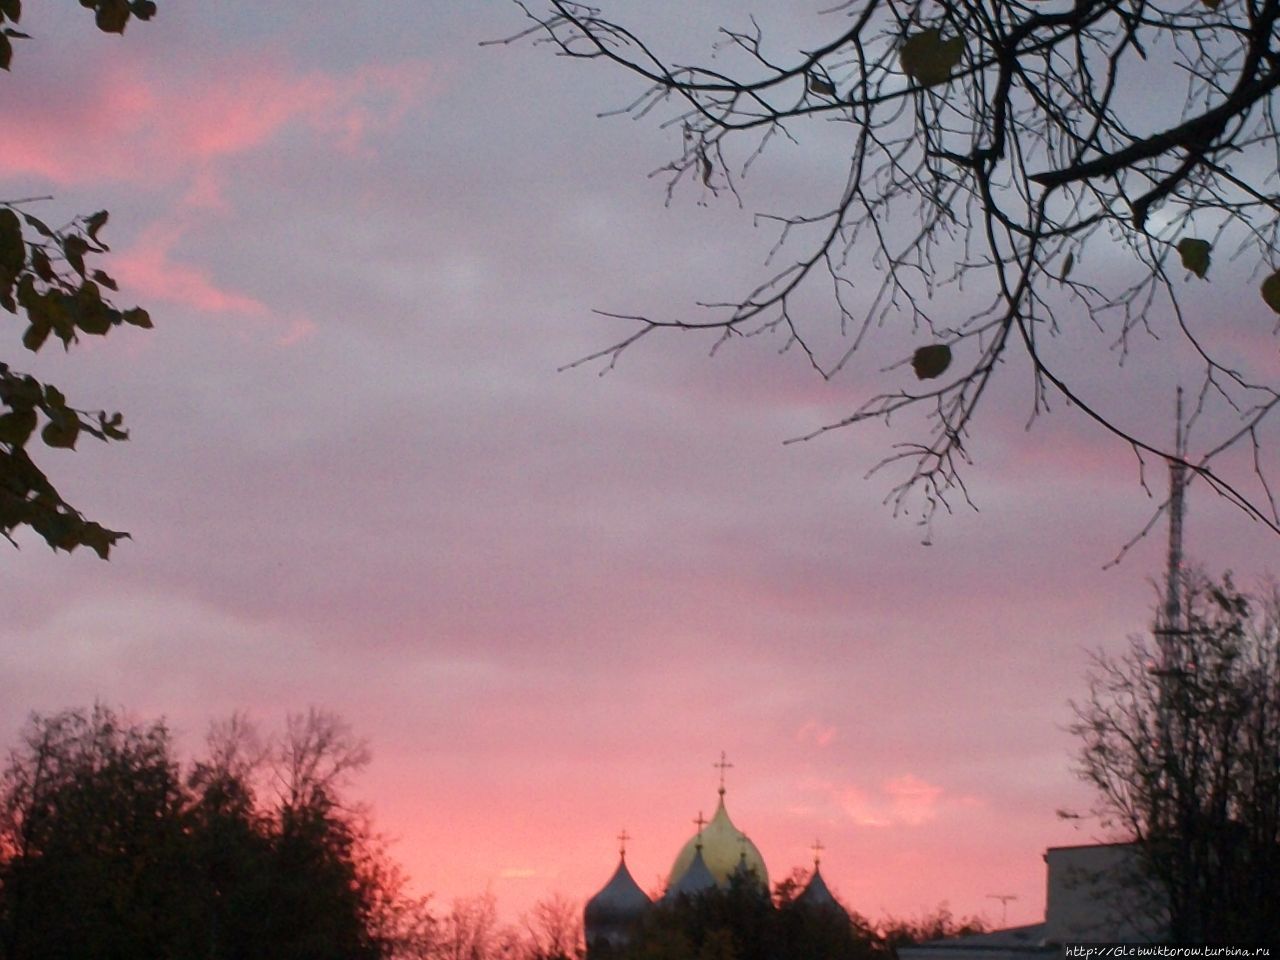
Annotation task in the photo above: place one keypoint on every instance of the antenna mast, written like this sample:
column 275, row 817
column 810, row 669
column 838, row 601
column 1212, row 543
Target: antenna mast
column 1177, row 508
column 1168, row 628
column 1004, row 899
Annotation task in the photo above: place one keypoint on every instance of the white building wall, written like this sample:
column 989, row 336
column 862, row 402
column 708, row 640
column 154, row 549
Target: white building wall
column 1098, row 893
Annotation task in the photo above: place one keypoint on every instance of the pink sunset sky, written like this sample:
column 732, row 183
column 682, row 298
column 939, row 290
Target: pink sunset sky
column 357, row 481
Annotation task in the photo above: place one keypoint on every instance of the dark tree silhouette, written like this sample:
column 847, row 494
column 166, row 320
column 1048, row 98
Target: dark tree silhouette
column 1183, row 746
column 895, row 932
column 108, row 851
column 91, row 841
column 553, row 930
column 46, row 279
column 1017, row 188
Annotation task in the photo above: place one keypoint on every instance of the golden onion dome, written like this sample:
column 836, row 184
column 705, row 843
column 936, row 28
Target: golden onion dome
column 725, row 849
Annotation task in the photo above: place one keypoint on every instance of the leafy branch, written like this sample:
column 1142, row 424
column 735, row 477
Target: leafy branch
column 47, row 279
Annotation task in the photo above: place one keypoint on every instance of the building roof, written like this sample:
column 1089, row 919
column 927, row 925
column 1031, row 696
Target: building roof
column 1012, row 943
column 724, row 847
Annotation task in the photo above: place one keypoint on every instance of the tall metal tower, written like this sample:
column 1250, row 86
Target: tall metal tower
column 1170, row 629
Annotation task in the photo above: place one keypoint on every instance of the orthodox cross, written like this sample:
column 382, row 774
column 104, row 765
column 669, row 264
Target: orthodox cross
column 723, row 765
column 817, row 849
column 623, row 837
column 701, row 822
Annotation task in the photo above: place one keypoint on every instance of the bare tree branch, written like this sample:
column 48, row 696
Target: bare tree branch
column 993, row 146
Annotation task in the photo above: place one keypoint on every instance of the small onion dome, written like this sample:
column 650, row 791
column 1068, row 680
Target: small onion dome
column 695, row 880
column 612, row 912
column 724, row 846
column 816, row 895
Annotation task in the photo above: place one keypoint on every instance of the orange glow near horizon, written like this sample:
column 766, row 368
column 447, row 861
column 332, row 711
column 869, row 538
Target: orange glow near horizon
column 522, row 845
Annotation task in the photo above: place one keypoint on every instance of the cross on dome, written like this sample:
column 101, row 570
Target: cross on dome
column 719, row 845
column 723, row 765
column 817, row 849
column 623, row 837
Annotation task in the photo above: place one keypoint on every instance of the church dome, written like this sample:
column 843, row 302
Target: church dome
column 817, row 896
column 620, row 900
column 724, row 848
column 612, row 915
column 695, row 880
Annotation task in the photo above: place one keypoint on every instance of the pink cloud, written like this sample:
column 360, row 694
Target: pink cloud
column 912, row 800
column 148, row 270
column 137, row 125
column 863, row 809
column 817, row 733
column 905, row 800
column 79, row 140
column 298, row 329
